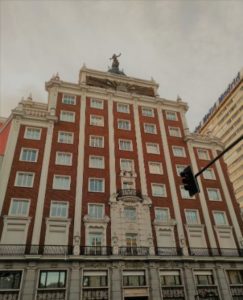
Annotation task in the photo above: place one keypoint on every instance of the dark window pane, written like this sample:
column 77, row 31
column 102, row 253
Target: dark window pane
column 10, row 279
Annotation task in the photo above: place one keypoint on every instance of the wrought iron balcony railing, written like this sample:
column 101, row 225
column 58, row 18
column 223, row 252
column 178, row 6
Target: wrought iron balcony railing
column 129, row 192
column 208, row 292
column 237, row 291
column 9, row 295
column 95, row 293
column 98, row 250
column 234, row 252
column 173, row 292
column 55, row 294
column 168, row 251
column 134, row 251
column 13, row 250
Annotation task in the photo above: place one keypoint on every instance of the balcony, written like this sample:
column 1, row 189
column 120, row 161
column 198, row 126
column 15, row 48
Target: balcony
column 13, row 250
column 95, row 293
column 129, row 193
column 54, row 294
column 173, row 292
column 208, row 292
column 92, row 250
column 9, row 295
column 237, row 291
column 168, row 251
column 234, row 252
column 134, row 251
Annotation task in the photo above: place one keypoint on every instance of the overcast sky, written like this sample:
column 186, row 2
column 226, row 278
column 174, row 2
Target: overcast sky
column 191, row 48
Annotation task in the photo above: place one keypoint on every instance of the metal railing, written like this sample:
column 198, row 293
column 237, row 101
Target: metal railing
column 173, row 292
column 168, row 251
column 129, row 192
column 9, row 295
column 95, row 293
column 51, row 294
column 236, row 291
column 98, row 250
column 13, row 250
column 134, row 251
column 234, row 252
column 207, row 292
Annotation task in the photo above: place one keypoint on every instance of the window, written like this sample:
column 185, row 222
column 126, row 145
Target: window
column 214, row 194
column 95, row 279
column 171, row 115
column 220, row 218
column 124, row 124
column 29, row 155
column 131, row 239
column 126, row 164
column 178, row 151
column 96, row 120
column 170, row 278
column 204, row 277
column 10, row 280
column 162, row 214
column 64, row 158
column 96, row 162
column 125, row 145
column 96, row 211
column 24, row 179
column 32, row 133
column 179, row 169
column 235, row 276
column 96, row 185
column 158, row 190
column 96, row 141
column 209, row 174
column 185, row 194
column 67, row 116
column 147, row 112
column 123, row 108
column 192, row 217
column 175, row 131
column 203, row 154
column 59, row 209
column 150, row 128
column 96, row 103
column 128, row 184
column 69, row 99
column 155, row 168
column 65, row 137
column 95, row 239
column 130, row 213
column 152, row 148
column 52, row 279
column 19, row 207
column 61, row 182
column 134, row 278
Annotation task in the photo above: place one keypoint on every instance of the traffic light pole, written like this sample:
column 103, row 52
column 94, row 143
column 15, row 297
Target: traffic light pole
column 221, row 154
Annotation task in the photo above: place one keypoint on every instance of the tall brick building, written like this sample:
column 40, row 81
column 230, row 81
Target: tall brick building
column 92, row 205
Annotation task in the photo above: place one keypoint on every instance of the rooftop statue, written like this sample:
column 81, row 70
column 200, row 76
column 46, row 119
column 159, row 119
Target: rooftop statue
column 115, row 65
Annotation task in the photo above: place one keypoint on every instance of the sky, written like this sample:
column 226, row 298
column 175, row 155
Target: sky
column 191, row 48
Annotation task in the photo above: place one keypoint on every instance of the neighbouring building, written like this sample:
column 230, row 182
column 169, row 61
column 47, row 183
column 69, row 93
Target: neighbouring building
column 225, row 121
column 91, row 200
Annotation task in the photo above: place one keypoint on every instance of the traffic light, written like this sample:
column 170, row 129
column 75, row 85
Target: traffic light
column 189, row 181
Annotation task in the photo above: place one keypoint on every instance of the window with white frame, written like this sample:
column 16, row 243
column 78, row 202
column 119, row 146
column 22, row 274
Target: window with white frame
column 63, row 158
column 19, row 207
column 214, row 194
column 97, row 162
column 155, row 167
column 96, row 141
column 152, row 148
column 209, row 174
column 24, row 179
column 128, row 184
column 32, row 133
column 134, row 278
column 10, row 282
column 192, row 216
column 220, row 218
column 185, row 194
column 59, row 209
column 61, row 182
column 171, row 115
column 96, row 185
column 126, row 164
column 96, row 211
column 203, row 154
column 162, row 214
column 130, row 213
column 65, row 137
column 29, row 155
column 124, row 124
column 158, row 190
column 96, row 103
column 95, row 279
column 170, row 278
column 125, row 145
column 179, row 169
column 123, row 108
column 52, row 280
column 147, row 111
column 178, row 151
column 69, row 99
column 204, row 278
column 96, row 120
column 95, row 240
column 67, row 116
column 175, row 131
column 150, row 128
